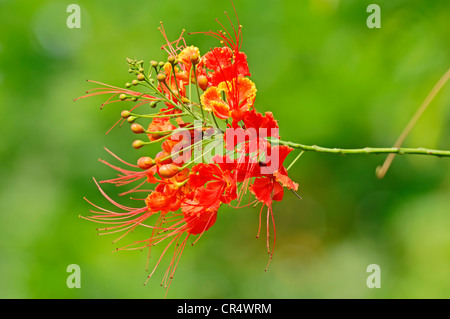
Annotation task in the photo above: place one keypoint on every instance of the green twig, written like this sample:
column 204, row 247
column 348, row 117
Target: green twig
column 366, row 150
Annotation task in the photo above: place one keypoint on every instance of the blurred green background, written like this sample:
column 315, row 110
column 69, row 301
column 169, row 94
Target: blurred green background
column 328, row 79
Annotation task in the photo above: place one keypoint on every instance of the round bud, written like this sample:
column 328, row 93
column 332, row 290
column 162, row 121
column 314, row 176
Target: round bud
column 137, row 128
column 134, row 98
column 138, row 144
column 128, row 84
column 194, row 58
column 134, row 82
column 141, row 70
column 130, row 70
column 202, row 82
column 145, row 162
column 125, row 114
column 161, row 63
column 153, row 104
column 161, row 77
column 122, row 97
column 154, row 64
column 169, row 170
column 131, row 119
column 171, row 59
column 141, row 77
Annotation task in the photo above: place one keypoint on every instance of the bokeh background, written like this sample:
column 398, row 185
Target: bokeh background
column 328, row 79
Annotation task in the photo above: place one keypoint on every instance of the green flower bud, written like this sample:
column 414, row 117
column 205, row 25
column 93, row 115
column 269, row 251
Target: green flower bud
column 125, row 114
column 195, row 58
column 171, row 59
column 161, row 77
column 131, row 119
column 138, row 144
column 137, row 128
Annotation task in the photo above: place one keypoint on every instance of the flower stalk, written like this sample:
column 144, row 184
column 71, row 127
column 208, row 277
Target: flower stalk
column 365, row 150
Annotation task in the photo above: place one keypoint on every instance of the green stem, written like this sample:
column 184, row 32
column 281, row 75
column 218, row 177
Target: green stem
column 180, row 101
column 182, row 150
column 198, row 92
column 295, row 160
column 215, row 121
column 366, row 150
column 158, row 116
column 194, row 160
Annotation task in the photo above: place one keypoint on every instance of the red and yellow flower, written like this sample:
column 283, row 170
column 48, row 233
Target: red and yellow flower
column 182, row 192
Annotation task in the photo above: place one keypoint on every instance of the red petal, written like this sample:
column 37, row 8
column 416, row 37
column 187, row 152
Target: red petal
column 262, row 189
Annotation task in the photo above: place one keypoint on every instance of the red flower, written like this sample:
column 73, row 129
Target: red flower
column 159, row 127
column 225, row 64
column 269, row 187
column 240, row 95
column 188, row 57
column 251, row 138
column 186, row 195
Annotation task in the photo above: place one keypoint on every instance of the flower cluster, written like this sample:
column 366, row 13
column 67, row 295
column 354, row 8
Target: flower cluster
column 215, row 147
